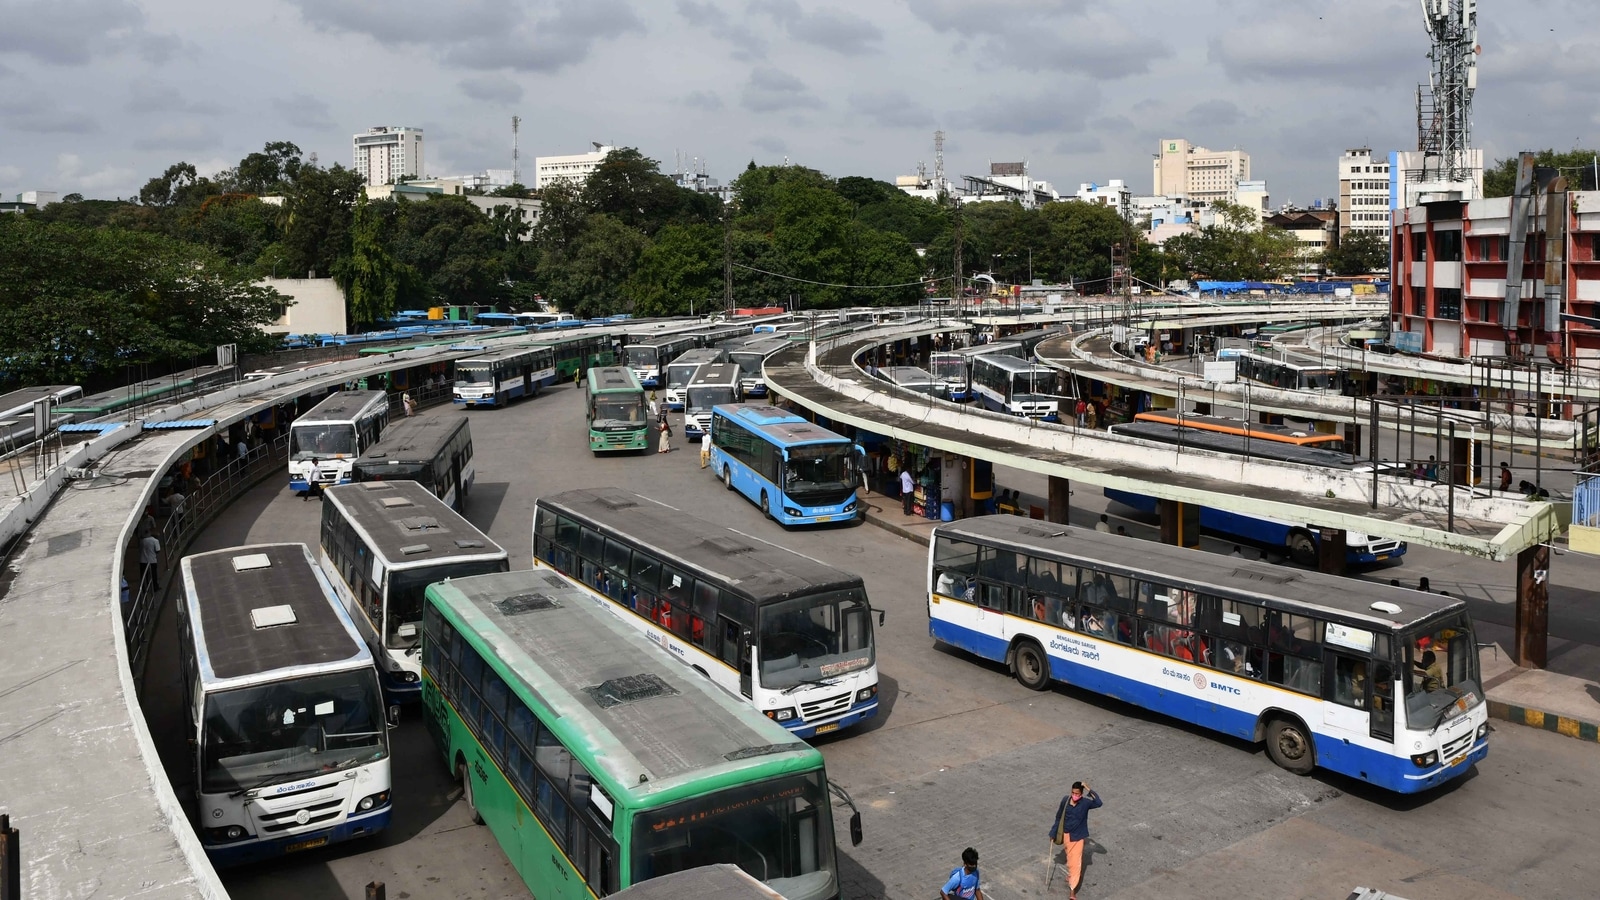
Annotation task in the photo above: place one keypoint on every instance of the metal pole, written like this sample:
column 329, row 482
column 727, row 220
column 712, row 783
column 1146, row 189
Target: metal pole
column 1373, row 444
column 10, row 861
column 1538, row 427
column 1450, row 493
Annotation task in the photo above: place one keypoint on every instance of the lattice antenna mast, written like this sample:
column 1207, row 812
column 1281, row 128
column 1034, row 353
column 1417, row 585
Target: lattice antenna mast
column 516, row 163
column 938, row 161
column 1444, row 105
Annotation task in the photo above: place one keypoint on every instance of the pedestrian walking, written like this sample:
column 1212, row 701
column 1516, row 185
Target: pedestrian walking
column 666, row 438
column 313, row 480
column 408, row 404
column 1070, row 830
column 149, row 553
column 1505, row 476
column 705, row 448
column 1104, row 525
column 908, row 489
column 1424, row 585
column 177, row 502
column 243, row 449
column 1082, row 411
column 963, row 881
column 147, row 523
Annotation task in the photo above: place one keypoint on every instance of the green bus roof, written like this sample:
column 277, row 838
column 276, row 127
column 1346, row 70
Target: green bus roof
column 613, row 380
column 650, row 729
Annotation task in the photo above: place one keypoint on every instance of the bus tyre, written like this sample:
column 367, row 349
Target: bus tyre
column 1302, row 549
column 766, row 508
column 727, row 477
column 1289, row 744
column 466, row 788
column 1031, row 666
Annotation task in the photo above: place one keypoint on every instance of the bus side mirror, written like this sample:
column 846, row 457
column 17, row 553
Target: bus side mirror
column 880, row 618
column 394, row 716
column 855, row 830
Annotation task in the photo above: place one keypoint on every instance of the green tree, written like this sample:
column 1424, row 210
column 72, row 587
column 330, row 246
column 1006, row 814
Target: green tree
column 1500, row 180
column 456, row 249
column 518, row 191
column 629, row 187
column 272, row 170
column 683, row 263
column 171, row 186
column 1357, row 253
column 375, row 284
column 317, row 218
column 239, row 227
column 1233, row 248
column 587, row 276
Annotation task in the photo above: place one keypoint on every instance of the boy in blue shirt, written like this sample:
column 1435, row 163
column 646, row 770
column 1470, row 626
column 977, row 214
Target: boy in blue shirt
column 963, row 881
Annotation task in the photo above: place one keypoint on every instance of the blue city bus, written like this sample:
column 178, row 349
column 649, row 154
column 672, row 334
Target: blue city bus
column 756, row 448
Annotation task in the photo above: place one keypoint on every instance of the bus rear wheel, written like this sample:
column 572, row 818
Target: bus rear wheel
column 727, row 477
column 1303, row 549
column 466, row 788
column 1289, row 744
column 1031, row 665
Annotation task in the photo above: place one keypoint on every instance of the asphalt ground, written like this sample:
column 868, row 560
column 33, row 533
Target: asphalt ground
column 962, row 755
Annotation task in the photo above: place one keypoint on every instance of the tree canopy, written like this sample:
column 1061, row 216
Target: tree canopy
column 1500, row 179
column 1234, row 248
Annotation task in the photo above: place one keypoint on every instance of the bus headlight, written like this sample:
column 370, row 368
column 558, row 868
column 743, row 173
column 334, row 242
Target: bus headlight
column 850, row 507
column 790, row 510
column 780, row 715
column 226, row 834
column 1483, row 731
column 1424, row 760
column 408, row 677
column 373, row 801
column 866, row 693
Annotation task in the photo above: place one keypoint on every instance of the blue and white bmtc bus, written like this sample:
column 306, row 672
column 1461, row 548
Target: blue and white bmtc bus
column 1372, row 681
column 1017, row 386
column 755, row 449
column 495, row 379
column 332, row 434
column 681, row 371
column 283, row 710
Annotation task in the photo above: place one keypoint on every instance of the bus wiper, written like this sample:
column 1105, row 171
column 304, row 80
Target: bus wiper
column 272, row 779
column 819, row 682
column 1443, row 713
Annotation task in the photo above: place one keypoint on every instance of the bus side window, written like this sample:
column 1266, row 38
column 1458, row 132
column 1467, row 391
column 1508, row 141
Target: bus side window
column 730, row 640
column 1348, row 687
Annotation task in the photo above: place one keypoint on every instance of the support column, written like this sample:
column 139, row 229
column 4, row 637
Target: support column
column 1461, row 454
column 1331, row 550
column 1352, row 438
column 1533, row 606
column 1059, row 503
column 1180, row 523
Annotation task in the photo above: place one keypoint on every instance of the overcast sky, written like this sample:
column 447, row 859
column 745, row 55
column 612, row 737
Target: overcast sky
column 96, row 96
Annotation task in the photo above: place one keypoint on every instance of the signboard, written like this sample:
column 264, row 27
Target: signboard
column 1224, row 371
column 1407, row 341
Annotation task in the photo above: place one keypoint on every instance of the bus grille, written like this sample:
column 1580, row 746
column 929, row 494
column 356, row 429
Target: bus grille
column 284, row 819
column 1377, row 546
column 817, row 709
column 1455, row 748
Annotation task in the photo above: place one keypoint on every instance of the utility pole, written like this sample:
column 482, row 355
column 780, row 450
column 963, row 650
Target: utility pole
column 727, row 258
column 957, row 285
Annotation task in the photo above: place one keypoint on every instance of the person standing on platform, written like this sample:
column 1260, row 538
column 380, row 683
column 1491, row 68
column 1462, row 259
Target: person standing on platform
column 908, row 489
column 705, row 448
column 149, row 554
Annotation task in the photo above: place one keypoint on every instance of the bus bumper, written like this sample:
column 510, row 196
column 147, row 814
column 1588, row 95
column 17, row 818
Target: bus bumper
column 224, row 855
column 398, row 690
column 855, row 715
column 1360, row 557
column 1413, row 784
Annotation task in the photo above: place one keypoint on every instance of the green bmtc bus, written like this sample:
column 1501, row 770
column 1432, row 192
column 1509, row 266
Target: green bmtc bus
column 614, row 403
column 598, row 760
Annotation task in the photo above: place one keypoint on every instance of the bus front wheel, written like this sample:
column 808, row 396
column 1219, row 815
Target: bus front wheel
column 1303, row 548
column 727, row 477
column 766, row 508
column 1289, row 744
column 1031, row 665
column 466, row 788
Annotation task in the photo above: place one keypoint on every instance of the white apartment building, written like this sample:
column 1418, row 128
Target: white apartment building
column 1113, row 193
column 575, row 169
column 388, row 153
column 1182, row 169
column 1363, row 194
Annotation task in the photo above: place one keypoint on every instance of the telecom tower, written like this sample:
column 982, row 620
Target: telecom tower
column 516, row 165
column 1444, row 105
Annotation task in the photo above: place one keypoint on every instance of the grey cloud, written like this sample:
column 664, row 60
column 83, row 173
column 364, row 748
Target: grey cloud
column 183, row 136
column 491, row 89
column 770, row 144
column 1085, row 142
column 411, row 21
column 304, row 111
column 773, row 90
column 32, row 114
column 707, row 100
column 698, row 13
column 894, row 109
column 68, row 32
column 1096, row 45
column 158, row 49
column 992, row 17
column 152, row 97
column 1040, row 114
column 1111, row 123
column 1376, row 48
column 828, row 28
column 1213, row 113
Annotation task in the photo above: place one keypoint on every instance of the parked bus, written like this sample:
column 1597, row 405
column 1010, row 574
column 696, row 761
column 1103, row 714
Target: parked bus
column 714, row 385
column 790, row 634
column 754, row 449
column 648, row 358
column 614, row 404
column 954, row 367
column 382, row 543
column 1257, row 432
column 580, row 350
column 599, row 761
column 913, row 378
column 281, row 706
column 750, row 357
column 497, row 378
column 1017, row 386
column 680, row 370
column 435, row 452
column 720, row 334
column 332, row 434
column 1282, row 373
column 1375, row 682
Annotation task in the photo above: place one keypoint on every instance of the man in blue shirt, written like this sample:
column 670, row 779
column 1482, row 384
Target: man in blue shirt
column 1071, row 824
column 963, row 881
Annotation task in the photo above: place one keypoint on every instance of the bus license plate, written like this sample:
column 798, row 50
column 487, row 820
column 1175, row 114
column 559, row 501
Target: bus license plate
column 1381, row 557
column 824, row 729
column 307, row 845
column 824, row 518
column 1458, row 760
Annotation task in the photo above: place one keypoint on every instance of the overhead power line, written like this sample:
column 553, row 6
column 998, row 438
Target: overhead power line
column 865, row 287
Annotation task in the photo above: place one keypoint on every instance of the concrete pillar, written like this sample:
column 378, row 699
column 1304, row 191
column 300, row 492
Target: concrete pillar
column 1461, row 453
column 1331, row 551
column 1059, row 504
column 1180, row 523
column 1352, row 438
column 1533, row 606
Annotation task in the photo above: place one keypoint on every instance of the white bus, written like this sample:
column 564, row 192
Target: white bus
column 714, row 385
column 648, row 357
column 283, row 712
column 1016, row 386
column 790, row 634
column 383, row 543
column 435, row 452
column 681, row 370
column 496, row 379
column 913, row 378
column 751, row 355
column 1376, row 682
column 332, row 434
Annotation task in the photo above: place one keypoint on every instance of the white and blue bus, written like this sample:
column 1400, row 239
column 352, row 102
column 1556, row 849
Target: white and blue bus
column 751, row 356
column 496, row 379
column 913, row 378
column 681, row 370
column 954, row 367
column 649, row 357
column 283, row 709
column 435, row 452
column 755, row 449
column 383, row 543
column 790, row 634
column 332, row 434
column 1375, row 682
column 1018, row 387
column 715, row 384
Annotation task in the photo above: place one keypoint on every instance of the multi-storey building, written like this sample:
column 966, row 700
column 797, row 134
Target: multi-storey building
column 1182, row 169
column 388, row 153
column 1314, row 229
column 1364, row 194
column 574, row 169
column 1113, row 193
column 1450, row 270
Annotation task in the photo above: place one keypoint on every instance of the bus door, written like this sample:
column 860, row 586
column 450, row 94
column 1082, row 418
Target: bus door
column 997, row 572
column 747, row 663
column 1347, row 689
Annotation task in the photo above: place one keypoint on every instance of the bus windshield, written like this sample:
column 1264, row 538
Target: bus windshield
column 322, row 440
column 640, row 357
column 780, row 831
column 271, row 733
column 473, row 376
column 405, row 596
column 422, row 473
column 678, row 376
column 950, row 368
column 630, row 410
column 707, row 397
column 1442, row 668
column 1025, row 383
column 805, row 639
column 820, row 475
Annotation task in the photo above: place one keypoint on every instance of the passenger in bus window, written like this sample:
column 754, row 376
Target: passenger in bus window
column 1090, row 621
column 947, row 584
